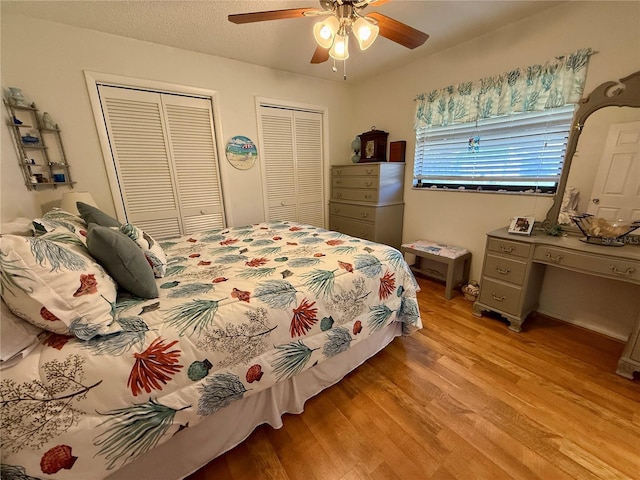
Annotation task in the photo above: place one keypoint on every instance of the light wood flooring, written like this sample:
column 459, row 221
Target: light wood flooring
column 464, row 398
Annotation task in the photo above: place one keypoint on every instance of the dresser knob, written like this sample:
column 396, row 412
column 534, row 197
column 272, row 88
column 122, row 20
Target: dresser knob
column 628, row 271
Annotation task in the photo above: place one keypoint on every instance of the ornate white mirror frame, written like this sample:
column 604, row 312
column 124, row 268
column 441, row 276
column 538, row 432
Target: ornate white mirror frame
column 625, row 93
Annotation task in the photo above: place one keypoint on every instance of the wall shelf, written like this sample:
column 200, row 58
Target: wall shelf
column 43, row 161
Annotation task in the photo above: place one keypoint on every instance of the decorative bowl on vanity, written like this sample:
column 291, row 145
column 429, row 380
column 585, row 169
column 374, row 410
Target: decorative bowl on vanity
column 601, row 231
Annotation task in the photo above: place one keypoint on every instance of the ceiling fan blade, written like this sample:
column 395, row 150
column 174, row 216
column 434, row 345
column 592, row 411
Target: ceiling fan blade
column 321, row 55
column 399, row 32
column 271, row 15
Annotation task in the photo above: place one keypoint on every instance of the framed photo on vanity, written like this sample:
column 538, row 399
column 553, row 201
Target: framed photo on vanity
column 522, row 225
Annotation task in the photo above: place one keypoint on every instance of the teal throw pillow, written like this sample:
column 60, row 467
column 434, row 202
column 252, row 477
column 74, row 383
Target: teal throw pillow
column 123, row 259
column 91, row 214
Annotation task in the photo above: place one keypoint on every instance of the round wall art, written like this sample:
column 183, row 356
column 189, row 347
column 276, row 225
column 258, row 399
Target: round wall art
column 241, row 152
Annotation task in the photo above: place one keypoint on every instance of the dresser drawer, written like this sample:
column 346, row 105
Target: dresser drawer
column 622, row 269
column 508, row 247
column 355, row 228
column 359, row 212
column 355, row 182
column 355, row 170
column 500, row 296
column 356, row 194
column 506, row 269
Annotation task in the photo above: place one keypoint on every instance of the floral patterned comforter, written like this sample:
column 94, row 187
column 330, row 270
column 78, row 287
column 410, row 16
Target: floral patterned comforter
column 239, row 310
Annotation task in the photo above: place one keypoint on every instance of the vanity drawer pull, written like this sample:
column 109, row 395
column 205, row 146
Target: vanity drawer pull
column 503, row 271
column 628, row 271
column 368, row 197
column 336, row 210
column 338, row 171
column 497, row 298
column 368, row 184
column 338, row 194
column 364, row 215
column 504, row 249
column 556, row 259
column 338, row 182
column 369, row 171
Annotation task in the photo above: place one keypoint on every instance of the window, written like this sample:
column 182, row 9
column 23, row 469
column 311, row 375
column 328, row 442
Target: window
column 519, row 152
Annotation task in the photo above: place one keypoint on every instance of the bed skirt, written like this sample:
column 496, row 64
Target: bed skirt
column 194, row 447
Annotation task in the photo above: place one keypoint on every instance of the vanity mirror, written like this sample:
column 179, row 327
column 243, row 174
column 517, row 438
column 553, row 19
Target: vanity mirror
column 597, row 170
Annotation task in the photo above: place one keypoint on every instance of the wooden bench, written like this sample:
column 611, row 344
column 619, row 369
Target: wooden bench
column 454, row 262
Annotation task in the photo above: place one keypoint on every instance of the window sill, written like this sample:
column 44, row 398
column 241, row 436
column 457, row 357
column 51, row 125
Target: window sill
column 498, row 192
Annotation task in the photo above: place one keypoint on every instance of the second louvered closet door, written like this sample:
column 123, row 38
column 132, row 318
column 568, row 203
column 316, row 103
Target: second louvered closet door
column 164, row 152
column 292, row 166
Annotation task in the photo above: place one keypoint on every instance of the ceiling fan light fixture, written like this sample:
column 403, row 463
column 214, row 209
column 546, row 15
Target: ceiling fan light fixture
column 365, row 32
column 324, row 32
column 340, row 48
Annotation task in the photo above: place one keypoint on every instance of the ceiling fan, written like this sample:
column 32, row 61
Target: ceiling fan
column 343, row 17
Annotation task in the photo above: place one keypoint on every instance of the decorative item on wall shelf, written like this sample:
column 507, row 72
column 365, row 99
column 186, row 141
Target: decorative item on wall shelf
column 522, row 225
column 47, row 121
column 355, row 146
column 16, row 98
column 374, row 146
column 241, row 152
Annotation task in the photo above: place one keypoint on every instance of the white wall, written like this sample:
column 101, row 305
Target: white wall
column 612, row 29
column 47, row 61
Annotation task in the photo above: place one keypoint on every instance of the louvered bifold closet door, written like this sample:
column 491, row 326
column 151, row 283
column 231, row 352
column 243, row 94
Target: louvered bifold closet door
column 193, row 148
column 293, row 169
column 163, row 147
column 309, row 175
column 279, row 170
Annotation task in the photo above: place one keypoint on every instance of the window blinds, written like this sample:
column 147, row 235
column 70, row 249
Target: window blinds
column 521, row 151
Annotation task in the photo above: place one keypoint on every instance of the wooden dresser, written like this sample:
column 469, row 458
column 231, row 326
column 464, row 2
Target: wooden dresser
column 366, row 201
column 514, row 268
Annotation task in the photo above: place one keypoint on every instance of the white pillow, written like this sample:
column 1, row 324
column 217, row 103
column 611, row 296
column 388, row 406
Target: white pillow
column 56, row 288
column 17, row 337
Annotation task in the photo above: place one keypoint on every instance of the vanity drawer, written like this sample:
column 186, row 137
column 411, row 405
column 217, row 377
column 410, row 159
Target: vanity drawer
column 356, row 194
column 355, row 182
column 355, row 228
column 500, row 296
column 505, row 269
column 507, row 247
column 622, row 269
column 360, row 212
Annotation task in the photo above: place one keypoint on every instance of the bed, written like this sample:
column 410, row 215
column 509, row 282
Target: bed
column 243, row 325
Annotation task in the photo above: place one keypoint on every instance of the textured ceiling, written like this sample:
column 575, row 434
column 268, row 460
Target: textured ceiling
column 202, row 26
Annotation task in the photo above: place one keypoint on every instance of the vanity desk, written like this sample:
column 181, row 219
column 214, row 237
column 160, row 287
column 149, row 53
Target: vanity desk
column 514, row 267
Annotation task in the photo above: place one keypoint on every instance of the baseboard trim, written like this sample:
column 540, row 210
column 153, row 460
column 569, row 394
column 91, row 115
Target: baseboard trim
column 594, row 328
